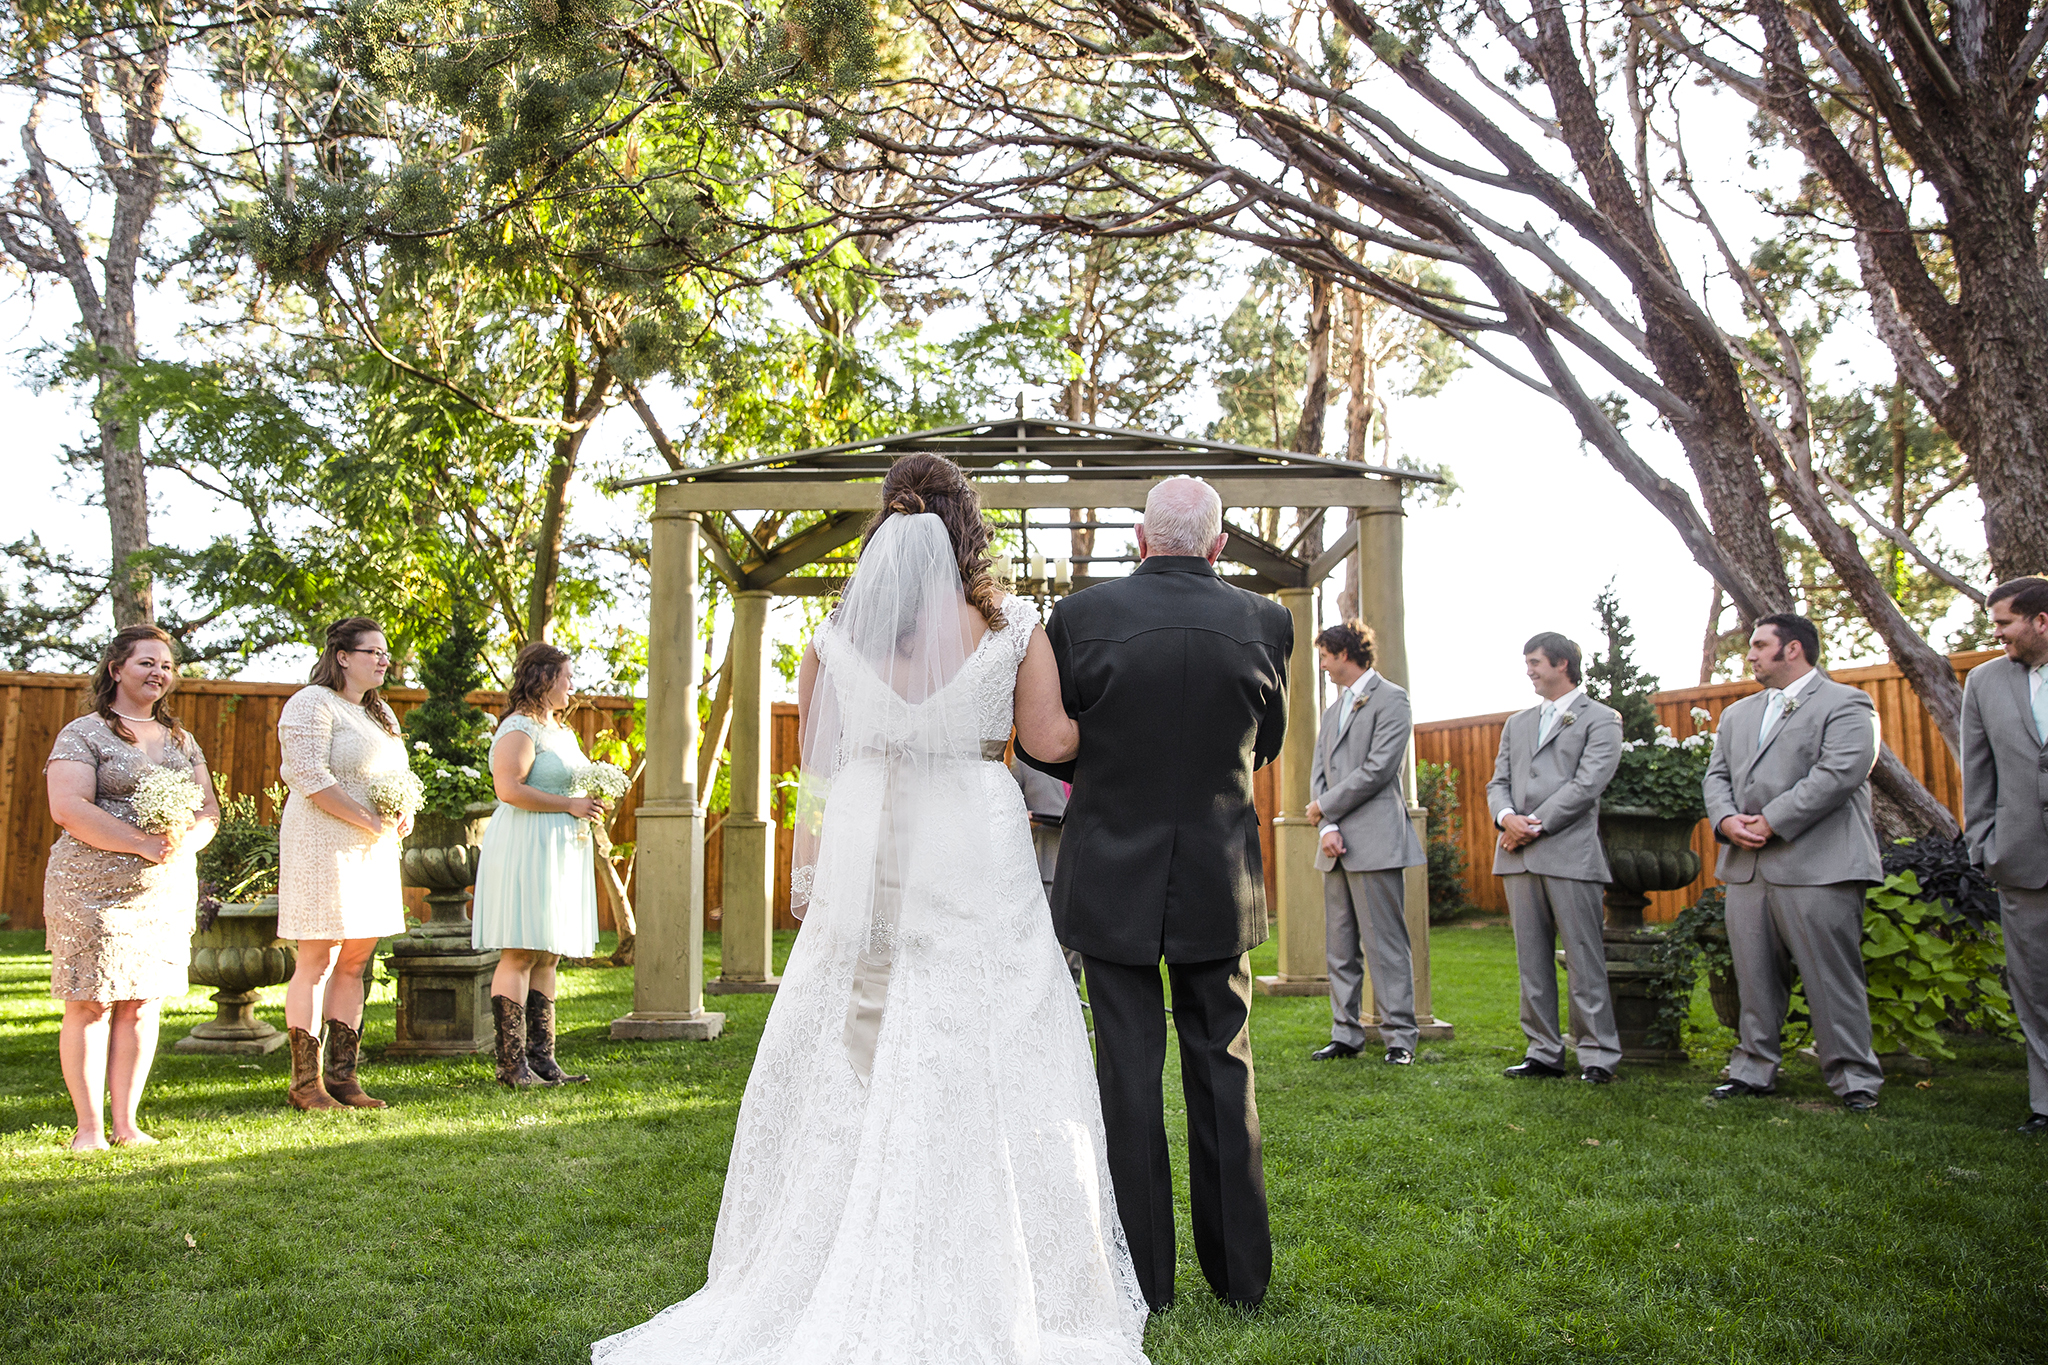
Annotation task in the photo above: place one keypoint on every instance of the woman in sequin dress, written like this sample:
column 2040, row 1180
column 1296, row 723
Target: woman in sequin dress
column 118, row 903
column 536, row 894
column 337, row 865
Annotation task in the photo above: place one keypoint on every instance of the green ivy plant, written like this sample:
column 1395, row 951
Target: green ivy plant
column 240, row 864
column 1436, row 789
column 1927, row 965
column 1695, row 944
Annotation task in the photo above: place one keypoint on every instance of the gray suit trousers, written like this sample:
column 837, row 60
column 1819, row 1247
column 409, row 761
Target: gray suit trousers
column 1364, row 929
column 1822, row 928
column 1547, row 911
column 2026, row 972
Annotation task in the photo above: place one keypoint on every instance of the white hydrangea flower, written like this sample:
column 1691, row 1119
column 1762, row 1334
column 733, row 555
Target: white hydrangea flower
column 421, row 746
column 1665, row 739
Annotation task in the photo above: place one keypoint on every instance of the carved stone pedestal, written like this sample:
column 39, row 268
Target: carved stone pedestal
column 240, row 953
column 444, row 985
column 1645, row 853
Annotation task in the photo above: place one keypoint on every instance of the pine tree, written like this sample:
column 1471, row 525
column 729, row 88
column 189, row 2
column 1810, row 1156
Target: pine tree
column 452, row 728
column 1613, row 677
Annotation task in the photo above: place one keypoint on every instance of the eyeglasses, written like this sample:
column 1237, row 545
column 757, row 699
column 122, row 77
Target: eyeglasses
column 379, row 655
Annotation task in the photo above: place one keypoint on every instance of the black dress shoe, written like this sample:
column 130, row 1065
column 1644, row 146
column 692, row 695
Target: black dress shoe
column 2035, row 1125
column 1739, row 1090
column 1859, row 1101
column 1529, row 1069
column 1400, row 1056
column 1333, row 1052
column 1597, row 1075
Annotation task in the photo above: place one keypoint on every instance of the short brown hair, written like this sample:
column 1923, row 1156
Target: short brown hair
column 1352, row 639
column 103, row 687
column 1790, row 626
column 1558, row 649
column 2029, row 595
column 533, row 672
column 342, row 637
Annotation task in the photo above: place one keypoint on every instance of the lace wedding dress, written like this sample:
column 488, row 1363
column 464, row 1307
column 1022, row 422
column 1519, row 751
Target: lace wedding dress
column 954, row 1207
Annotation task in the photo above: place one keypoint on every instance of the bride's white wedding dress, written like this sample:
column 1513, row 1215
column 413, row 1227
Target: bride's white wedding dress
column 955, row 1208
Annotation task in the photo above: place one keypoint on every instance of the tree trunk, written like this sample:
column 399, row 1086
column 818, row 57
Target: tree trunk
column 547, row 551
column 1315, row 396
column 2003, row 383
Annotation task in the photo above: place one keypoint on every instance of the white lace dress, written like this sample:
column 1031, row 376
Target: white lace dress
column 957, row 1209
column 335, row 880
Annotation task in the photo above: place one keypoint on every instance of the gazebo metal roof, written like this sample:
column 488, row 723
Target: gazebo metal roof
column 1020, row 463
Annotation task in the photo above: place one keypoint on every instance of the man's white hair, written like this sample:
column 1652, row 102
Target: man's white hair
column 1183, row 516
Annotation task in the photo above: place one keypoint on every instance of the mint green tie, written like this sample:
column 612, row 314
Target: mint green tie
column 1774, row 708
column 2040, row 686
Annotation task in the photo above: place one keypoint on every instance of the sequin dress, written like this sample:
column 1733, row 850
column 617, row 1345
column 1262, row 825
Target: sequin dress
column 335, row 880
column 536, row 886
column 119, row 926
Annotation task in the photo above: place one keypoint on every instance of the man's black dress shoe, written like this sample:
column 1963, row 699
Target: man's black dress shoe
column 1333, row 1052
column 1597, row 1075
column 1529, row 1069
column 2035, row 1125
column 1399, row 1056
column 1859, row 1101
column 1738, row 1090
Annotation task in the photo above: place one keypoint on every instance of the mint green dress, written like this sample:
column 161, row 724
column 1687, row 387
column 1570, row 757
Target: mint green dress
column 536, row 884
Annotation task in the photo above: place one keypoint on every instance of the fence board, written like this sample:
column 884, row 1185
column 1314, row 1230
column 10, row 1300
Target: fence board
column 1468, row 746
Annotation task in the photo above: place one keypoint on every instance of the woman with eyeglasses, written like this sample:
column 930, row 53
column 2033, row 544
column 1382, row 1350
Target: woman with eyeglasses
column 337, row 864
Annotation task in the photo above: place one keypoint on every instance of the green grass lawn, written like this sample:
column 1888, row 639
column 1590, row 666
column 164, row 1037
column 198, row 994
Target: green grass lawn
column 1435, row 1213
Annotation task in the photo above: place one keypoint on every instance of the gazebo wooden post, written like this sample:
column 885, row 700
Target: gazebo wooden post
column 668, row 971
column 1297, row 886
column 747, row 929
column 1382, row 601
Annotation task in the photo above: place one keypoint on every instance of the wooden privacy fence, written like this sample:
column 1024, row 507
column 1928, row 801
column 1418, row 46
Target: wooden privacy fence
column 1468, row 747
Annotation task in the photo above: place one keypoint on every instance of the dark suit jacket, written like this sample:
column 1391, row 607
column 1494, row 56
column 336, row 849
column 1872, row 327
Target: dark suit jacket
column 1180, row 684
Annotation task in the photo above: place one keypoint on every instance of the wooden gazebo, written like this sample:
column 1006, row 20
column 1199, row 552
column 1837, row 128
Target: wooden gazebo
column 1019, row 466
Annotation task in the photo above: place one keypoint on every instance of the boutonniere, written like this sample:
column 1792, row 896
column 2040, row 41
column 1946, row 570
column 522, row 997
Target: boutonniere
column 1793, row 704
column 1358, row 704
column 1568, row 718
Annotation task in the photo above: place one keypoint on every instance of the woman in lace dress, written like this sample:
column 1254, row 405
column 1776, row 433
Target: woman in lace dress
column 118, row 902
column 919, row 1174
column 536, row 892
column 337, row 856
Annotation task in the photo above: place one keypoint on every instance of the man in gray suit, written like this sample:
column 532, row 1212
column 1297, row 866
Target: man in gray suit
column 1555, row 760
column 2005, row 806
column 1788, row 792
column 1366, row 842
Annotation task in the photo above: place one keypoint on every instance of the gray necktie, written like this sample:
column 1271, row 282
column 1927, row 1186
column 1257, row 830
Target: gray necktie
column 2039, row 682
column 1774, row 708
column 1548, row 719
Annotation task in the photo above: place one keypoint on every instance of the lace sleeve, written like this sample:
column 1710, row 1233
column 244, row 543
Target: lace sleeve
column 518, row 723
column 305, row 737
column 1020, row 616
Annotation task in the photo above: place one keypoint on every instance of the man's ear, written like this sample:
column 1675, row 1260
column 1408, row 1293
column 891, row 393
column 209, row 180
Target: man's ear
column 1216, row 550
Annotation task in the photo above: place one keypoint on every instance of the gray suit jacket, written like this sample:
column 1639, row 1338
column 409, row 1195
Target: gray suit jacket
column 2005, row 777
column 1810, row 779
column 1559, row 783
column 1358, row 781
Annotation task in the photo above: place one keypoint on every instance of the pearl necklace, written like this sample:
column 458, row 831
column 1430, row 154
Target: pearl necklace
column 139, row 720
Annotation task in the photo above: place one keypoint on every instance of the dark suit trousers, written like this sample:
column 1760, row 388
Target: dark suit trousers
column 1226, row 1181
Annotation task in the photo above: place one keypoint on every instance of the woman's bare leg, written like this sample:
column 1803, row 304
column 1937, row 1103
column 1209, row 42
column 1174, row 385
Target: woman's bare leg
column 542, row 978
column 515, row 969
column 302, row 994
column 344, row 995
column 82, row 1052
column 131, row 1049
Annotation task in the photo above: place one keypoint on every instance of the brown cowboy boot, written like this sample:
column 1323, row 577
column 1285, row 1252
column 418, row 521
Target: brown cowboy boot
column 540, row 1041
column 306, row 1091
column 344, row 1046
column 511, row 1019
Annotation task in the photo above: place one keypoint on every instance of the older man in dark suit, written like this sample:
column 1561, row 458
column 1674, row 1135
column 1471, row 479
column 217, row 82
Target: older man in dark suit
column 1179, row 681
column 1788, row 792
column 2005, row 806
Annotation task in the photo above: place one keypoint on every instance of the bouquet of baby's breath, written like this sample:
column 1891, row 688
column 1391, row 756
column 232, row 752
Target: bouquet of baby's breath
column 166, row 799
column 397, row 794
column 605, row 781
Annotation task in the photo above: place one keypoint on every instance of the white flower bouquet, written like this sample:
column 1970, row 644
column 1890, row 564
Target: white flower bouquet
column 605, row 781
column 165, row 800
column 397, row 794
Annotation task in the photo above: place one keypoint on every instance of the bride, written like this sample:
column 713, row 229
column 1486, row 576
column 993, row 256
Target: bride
column 918, row 1176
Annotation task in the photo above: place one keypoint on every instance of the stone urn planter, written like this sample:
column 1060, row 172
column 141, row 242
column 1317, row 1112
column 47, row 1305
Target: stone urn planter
column 1646, row 852
column 238, row 955
column 444, row 986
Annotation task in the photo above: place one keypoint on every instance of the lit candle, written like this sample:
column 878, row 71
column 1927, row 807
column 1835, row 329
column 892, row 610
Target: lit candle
column 1037, row 568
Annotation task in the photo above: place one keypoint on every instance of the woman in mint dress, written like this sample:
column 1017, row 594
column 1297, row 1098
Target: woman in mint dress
column 536, row 894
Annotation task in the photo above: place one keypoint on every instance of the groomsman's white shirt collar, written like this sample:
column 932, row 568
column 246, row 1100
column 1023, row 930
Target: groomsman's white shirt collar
column 1555, row 708
column 1774, row 703
column 1347, row 702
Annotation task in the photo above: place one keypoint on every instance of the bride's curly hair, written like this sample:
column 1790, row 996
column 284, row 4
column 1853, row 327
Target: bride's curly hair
column 933, row 483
